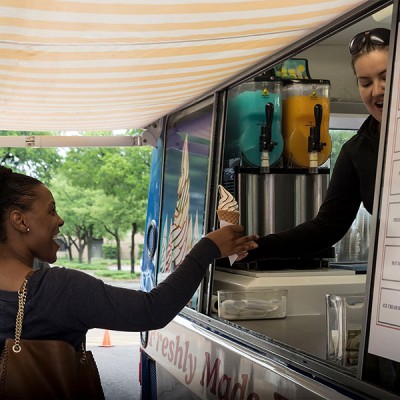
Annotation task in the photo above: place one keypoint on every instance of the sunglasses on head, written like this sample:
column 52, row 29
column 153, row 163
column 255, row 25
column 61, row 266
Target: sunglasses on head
column 378, row 36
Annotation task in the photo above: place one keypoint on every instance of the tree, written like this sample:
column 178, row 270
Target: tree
column 126, row 175
column 338, row 139
column 123, row 175
column 115, row 222
column 39, row 163
column 80, row 211
column 98, row 190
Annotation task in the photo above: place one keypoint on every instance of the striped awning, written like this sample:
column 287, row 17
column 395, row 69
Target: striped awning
column 122, row 64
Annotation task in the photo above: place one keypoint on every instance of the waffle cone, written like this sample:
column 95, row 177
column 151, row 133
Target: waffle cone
column 231, row 217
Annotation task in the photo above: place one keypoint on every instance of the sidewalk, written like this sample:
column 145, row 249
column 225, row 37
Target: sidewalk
column 119, row 364
column 95, row 337
column 119, row 370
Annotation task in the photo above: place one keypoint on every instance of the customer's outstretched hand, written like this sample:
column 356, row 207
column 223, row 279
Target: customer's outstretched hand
column 230, row 240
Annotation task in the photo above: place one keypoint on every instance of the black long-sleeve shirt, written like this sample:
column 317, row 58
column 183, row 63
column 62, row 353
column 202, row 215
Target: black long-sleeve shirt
column 64, row 304
column 352, row 182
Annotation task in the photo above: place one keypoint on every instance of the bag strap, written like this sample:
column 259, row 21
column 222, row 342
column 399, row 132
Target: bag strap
column 20, row 315
column 83, row 358
column 20, row 319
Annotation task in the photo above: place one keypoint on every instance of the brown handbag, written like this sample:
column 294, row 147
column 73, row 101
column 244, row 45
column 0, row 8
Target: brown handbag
column 46, row 369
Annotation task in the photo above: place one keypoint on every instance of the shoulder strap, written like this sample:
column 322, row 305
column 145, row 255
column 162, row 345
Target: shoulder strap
column 20, row 314
column 20, row 319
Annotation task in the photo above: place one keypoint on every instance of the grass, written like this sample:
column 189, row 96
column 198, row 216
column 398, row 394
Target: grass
column 94, row 266
column 117, row 274
column 101, row 268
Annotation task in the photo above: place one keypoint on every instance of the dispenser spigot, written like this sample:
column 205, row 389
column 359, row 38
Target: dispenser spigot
column 314, row 140
column 266, row 143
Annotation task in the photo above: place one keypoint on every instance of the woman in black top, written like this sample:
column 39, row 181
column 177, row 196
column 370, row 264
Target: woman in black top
column 63, row 304
column 353, row 177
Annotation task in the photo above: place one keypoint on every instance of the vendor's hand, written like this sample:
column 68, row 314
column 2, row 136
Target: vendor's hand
column 230, row 240
column 242, row 255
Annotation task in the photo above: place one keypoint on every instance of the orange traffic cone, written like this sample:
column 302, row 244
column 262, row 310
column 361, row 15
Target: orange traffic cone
column 106, row 339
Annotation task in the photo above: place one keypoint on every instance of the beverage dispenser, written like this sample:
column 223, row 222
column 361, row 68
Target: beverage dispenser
column 278, row 200
column 289, row 188
column 305, row 123
column 254, row 116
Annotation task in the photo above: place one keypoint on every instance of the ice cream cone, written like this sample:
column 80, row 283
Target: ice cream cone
column 232, row 217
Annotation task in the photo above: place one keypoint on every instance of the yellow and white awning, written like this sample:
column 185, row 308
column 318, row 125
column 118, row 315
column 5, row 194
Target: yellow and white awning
column 122, row 64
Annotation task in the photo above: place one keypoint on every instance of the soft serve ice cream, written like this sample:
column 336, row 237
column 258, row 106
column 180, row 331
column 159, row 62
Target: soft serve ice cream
column 228, row 212
column 228, row 209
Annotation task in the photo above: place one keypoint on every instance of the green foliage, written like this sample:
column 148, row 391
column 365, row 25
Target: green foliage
column 109, row 251
column 101, row 268
column 100, row 192
column 39, row 163
column 339, row 137
column 140, row 252
column 96, row 265
column 118, row 275
column 122, row 174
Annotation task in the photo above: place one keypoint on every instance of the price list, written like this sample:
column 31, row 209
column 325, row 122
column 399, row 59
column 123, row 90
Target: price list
column 384, row 335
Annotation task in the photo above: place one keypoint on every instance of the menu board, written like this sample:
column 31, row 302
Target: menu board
column 384, row 333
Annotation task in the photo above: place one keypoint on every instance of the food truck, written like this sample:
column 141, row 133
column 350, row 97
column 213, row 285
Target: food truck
column 317, row 327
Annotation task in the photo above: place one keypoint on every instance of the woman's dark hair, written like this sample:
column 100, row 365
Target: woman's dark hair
column 16, row 191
